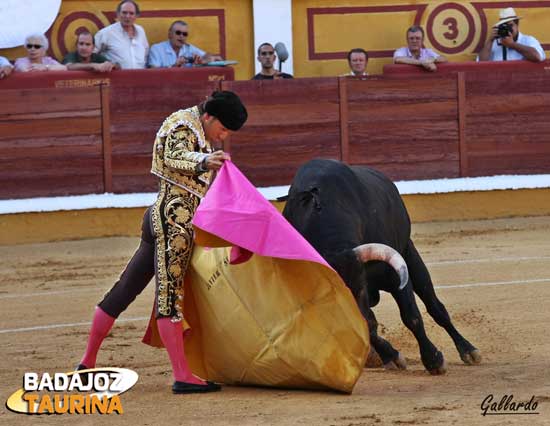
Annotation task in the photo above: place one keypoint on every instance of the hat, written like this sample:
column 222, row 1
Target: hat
column 507, row 15
column 227, row 107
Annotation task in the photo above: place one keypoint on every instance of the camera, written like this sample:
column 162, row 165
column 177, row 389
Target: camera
column 189, row 61
column 504, row 30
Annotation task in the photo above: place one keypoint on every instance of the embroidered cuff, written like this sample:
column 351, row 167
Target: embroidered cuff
column 201, row 167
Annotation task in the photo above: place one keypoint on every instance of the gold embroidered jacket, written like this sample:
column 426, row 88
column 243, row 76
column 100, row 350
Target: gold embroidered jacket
column 180, row 146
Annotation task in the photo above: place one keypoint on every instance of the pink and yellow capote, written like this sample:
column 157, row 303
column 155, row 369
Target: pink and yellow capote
column 263, row 307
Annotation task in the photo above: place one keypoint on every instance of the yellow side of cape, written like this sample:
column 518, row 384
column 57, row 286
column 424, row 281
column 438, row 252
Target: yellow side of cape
column 272, row 322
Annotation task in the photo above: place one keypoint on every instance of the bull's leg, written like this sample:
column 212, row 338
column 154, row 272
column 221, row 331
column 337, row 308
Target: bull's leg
column 391, row 358
column 422, row 285
column 431, row 357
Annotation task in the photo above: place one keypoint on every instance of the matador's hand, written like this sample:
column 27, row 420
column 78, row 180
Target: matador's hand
column 215, row 160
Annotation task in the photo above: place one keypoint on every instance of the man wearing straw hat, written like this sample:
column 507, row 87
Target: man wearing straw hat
column 506, row 43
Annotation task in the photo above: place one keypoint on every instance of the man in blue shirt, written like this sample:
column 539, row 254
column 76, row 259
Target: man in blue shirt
column 176, row 52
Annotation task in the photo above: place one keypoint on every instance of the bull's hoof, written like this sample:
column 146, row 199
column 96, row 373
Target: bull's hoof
column 434, row 363
column 442, row 369
column 398, row 363
column 373, row 360
column 471, row 357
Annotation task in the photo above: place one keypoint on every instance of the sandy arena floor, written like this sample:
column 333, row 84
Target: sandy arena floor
column 503, row 311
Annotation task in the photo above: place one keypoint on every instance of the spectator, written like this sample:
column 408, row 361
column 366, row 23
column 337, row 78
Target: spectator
column 357, row 61
column 415, row 53
column 5, row 67
column 36, row 59
column 84, row 59
column 267, row 56
column 124, row 42
column 176, row 52
column 506, row 42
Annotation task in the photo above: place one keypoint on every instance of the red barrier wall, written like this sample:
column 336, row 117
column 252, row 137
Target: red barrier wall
column 51, row 142
column 400, row 70
column 69, row 140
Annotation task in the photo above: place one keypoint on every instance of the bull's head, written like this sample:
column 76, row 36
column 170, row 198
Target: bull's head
column 350, row 264
column 320, row 222
column 302, row 208
column 350, row 270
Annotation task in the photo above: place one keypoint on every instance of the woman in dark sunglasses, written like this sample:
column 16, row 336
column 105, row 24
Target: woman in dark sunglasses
column 36, row 59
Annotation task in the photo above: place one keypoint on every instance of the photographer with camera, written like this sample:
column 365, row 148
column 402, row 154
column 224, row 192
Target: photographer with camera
column 506, row 43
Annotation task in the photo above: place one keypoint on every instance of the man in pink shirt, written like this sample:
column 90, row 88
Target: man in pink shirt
column 415, row 53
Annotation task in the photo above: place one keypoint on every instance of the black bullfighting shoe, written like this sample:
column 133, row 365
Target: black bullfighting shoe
column 183, row 387
column 83, row 377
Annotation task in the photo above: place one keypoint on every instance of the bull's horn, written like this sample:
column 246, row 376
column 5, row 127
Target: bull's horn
column 374, row 251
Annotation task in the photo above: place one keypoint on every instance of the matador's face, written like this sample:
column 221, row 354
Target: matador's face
column 214, row 131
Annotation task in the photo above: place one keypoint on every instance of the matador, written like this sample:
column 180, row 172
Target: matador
column 184, row 160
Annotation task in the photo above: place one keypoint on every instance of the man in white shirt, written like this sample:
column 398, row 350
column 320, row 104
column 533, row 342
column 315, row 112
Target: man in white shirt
column 124, row 42
column 506, row 43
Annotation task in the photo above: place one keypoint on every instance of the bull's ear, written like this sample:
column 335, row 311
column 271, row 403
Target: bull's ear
column 283, row 198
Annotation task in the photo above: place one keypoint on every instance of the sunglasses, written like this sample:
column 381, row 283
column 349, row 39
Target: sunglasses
column 183, row 33
column 267, row 53
column 33, row 46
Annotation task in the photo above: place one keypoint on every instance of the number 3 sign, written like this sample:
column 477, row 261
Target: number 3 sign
column 450, row 28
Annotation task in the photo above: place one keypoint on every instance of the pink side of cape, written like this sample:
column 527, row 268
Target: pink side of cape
column 235, row 211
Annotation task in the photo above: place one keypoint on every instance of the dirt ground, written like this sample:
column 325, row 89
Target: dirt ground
column 493, row 276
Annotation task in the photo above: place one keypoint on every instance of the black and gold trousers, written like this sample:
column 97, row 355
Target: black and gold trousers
column 164, row 252
column 171, row 217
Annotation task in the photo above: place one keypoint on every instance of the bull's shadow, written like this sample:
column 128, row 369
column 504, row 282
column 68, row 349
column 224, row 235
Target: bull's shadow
column 356, row 219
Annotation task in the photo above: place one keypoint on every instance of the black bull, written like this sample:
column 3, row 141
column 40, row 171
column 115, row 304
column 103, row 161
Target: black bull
column 338, row 208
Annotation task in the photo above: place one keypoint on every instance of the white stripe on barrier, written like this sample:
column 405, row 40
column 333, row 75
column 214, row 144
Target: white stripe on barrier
column 145, row 199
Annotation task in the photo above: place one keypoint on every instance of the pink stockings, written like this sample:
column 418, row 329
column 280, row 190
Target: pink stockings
column 101, row 325
column 171, row 334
